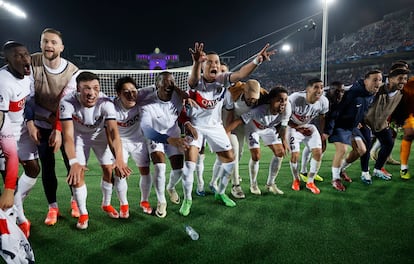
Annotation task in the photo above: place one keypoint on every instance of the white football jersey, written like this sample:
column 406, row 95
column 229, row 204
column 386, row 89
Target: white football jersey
column 260, row 117
column 87, row 121
column 303, row 112
column 209, row 98
column 129, row 120
column 13, row 93
column 159, row 116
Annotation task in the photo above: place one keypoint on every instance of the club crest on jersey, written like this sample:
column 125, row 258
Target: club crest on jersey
column 62, row 108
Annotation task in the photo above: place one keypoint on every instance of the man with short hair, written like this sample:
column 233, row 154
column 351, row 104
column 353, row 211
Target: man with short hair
column 306, row 105
column 89, row 122
column 52, row 78
column 15, row 89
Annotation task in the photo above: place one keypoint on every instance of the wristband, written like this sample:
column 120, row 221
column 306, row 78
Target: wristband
column 256, row 62
column 73, row 161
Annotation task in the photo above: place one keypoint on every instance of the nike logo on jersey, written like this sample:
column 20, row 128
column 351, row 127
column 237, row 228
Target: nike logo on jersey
column 358, row 105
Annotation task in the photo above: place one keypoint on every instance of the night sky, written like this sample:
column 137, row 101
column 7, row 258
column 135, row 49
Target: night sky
column 174, row 26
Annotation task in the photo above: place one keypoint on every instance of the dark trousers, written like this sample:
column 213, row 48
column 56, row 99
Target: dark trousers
column 47, row 160
column 387, row 143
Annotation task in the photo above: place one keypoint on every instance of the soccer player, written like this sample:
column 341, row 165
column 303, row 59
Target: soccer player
column 239, row 99
column 273, row 111
column 386, row 101
column 89, row 122
column 208, row 86
column 52, row 78
column 335, row 92
column 345, row 127
column 133, row 142
column 159, row 124
column 11, row 76
column 307, row 105
column 15, row 89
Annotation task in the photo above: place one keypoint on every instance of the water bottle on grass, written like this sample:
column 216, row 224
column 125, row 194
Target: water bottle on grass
column 191, row 232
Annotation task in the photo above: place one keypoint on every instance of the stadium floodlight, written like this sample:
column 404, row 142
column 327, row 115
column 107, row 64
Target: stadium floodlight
column 286, row 48
column 13, row 9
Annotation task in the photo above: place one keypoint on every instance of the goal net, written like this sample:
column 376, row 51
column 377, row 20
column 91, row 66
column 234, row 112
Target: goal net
column 143, row 78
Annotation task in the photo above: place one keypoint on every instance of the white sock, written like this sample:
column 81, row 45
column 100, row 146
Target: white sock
column 224, row 176
column 253, row 170
column 274, row 168
column 121, row 187
column 199, row 170
column 159, row 181
column 80, row 194
column 313, row 169
column 145, row 183
column 26, row 184
column 336, row 173
column 188, row 179
column 306, row 155
column 216, row 167
column 294, row 170
column 106, row 188
column 175, row 177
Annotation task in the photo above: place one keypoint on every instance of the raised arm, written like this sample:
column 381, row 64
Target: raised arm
column 198, row 56
column 246, row 70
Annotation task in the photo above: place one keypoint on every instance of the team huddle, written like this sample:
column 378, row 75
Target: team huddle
column 47, row 104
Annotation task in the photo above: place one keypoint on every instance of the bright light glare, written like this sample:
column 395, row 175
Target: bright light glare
column 15, row 10
column 286, row 48
column 329, row 2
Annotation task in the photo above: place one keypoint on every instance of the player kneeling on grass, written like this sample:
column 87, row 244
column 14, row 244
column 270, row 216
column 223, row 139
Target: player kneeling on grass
column 273, row 111
column 89, row 121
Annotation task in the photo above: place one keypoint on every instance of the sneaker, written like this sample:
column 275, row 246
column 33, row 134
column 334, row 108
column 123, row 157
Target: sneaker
column 296, row 185
column 237, row 192
column 213, row 188
column 161, row 211
column 146, row 207
column 312, row 187
column 185, row 207
column 255, row 190
column 381, row 175
column 52, row 216
column 304, row 177
column 112, row 213
column 201, row 192
column 225, row 199
column 74, row 209
column 345, row 176
column 337, row 185
column 392, row 161
column 366, row 179
column 82, row 222
column 405, row 175
column 124, row 211
column 273, row 189
column 174, row 198
column 25, row 227
column 386, row 172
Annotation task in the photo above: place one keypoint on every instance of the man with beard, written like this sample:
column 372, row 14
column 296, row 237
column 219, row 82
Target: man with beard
column 386, row 100
column 346, row 127
column 52, row 78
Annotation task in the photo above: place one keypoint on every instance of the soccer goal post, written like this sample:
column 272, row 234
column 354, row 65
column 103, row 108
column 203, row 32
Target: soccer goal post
column 143, row 78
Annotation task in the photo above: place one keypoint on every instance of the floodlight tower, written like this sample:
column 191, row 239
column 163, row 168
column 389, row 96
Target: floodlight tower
column 324, row 66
